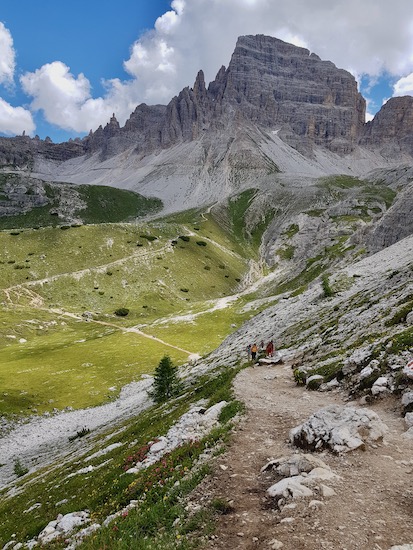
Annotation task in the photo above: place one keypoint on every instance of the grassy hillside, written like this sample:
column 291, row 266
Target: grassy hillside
column 29, row 202
column 63, row 343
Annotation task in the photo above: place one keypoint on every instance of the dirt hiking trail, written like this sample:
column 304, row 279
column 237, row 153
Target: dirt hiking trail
column 373, row 505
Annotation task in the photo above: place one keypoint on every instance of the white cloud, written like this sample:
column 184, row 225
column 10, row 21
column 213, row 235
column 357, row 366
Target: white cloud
column 64, row 99
column 366, row 38
column 404, row 86
column 7, row 56
column 15, row 120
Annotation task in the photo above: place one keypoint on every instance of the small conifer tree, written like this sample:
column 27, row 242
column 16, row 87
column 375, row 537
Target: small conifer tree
column 166, row 383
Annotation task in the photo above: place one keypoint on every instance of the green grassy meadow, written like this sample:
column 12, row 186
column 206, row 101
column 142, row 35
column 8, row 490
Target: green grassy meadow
column 53, row 357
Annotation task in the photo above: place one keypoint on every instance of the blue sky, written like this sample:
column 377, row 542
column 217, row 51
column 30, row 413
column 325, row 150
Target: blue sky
column 65, row 67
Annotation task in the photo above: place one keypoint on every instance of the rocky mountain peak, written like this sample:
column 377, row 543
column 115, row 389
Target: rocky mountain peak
column 392, row 126
column 281, row 86
column 269, row 85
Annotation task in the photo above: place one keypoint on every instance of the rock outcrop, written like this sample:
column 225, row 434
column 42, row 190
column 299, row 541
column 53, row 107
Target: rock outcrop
column 340, row 429
column 268, row 82
column 21, row 151
column 391, row 130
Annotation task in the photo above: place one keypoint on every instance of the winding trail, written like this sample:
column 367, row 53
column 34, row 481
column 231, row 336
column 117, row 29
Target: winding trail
column 372, row 507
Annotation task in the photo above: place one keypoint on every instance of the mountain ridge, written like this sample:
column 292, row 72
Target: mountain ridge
column 271, row 89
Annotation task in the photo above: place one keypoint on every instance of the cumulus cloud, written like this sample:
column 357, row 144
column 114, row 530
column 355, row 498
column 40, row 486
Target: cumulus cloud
column 367, row 38
column 7, row 56
column 64, row 99
column 15, row 120
column 404, row 86
column 198, row 34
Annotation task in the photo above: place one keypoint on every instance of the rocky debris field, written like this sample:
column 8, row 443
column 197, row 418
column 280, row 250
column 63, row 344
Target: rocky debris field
column 358, row 499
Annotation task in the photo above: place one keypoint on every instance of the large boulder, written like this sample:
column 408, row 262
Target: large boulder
column 304, row 474
column 339, row 429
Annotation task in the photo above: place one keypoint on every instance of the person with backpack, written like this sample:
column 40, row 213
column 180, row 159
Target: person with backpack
column 270, row 349
column 254, row 350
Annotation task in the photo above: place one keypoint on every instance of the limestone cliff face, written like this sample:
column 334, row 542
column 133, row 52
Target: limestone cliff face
column 392, row 127
column 269, row 83
column 270, row 86
column 284, row 87
column 395, row 224
column 21, row 150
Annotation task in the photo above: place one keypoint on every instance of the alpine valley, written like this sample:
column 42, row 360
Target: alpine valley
column 258, row 207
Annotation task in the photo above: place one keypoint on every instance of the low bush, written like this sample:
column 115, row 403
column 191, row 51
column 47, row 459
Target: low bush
column 325, row 284
column 19, row 469
column 184, row 238
column 201, row 243
column 148, row 237
column 79, row 434
column 122, row 312
column 221, row 506
column 299, row 377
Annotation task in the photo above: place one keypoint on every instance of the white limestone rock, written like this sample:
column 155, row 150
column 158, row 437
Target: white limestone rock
column 407, row 401
column 356, row 359
column 338, row 428
column 294, row 465
column 314, row 377
column 365, row 373
column 63, row 525
column 408, row 434
column 408, row 370
column 380, row 386
column 408, row 419
column 290, row 487
column 326, row 491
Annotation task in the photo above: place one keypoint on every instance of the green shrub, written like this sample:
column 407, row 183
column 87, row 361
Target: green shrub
column 314, row 384
column 299, row 377
column 184, row 290
column 184, row 238
column 325, row 284
column 122, row 312
column 201, row 243
column 148, row 237
column 221, row 506
column 207, row 267
column 80, row 433
column 19, row 469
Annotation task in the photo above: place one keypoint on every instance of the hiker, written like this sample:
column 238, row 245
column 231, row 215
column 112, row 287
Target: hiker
column 249, row 352
column 254, row 350
column 262, row 346
column 270, row 349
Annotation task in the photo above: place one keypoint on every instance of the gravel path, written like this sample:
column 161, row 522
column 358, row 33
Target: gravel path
column 372, row 508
